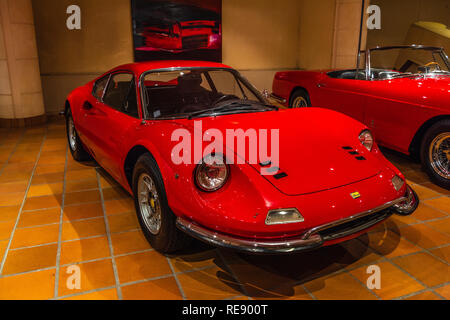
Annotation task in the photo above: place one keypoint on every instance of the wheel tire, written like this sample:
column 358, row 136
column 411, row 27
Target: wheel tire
column 75, row 145
column 440, row 128
column 300, row 99
column 169, row 238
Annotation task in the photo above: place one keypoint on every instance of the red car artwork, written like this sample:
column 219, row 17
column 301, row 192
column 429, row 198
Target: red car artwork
column 324, row 182
column 402, row 94
column 177, row 28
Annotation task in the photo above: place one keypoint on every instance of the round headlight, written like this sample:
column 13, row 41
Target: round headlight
column 366, row 139
column 211, row 174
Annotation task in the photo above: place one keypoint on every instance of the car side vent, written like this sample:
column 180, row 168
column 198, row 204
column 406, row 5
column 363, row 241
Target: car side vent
column 347, row 148
column 360, row 158
column 353, row 153
column 280, row 175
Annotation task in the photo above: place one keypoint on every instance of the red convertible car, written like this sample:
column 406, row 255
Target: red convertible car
column 331, row 182
column 402, row 94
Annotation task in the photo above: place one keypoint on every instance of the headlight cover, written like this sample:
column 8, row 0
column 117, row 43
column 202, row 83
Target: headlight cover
column 283, row 216
column 397, row 182
column 366, row 139
column 211, row 174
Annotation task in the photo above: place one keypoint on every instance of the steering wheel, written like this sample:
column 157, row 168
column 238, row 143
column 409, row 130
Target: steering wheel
column 224, row 97
column 433, row 63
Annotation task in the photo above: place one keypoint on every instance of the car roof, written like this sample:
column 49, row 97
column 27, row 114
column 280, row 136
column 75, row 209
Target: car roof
column 140, row 67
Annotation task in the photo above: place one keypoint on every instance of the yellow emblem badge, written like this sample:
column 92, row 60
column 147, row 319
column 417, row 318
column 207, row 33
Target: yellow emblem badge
column 355, row 195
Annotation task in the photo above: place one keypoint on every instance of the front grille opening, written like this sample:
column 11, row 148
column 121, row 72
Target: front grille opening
column 356, row 225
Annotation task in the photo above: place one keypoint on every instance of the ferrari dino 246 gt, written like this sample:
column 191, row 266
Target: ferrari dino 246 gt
column 330, row 182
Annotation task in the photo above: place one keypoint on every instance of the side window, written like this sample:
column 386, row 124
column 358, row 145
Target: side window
column 121, row 94
column 99, row 87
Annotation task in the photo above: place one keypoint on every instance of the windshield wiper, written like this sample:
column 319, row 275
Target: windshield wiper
column 233, row 106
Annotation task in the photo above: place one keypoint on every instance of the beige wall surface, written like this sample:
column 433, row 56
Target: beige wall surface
column 260, row 37
column 397, row 16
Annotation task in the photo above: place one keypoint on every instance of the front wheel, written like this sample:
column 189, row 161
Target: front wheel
column 155, row 217
column 300, row 99
column 435, row 153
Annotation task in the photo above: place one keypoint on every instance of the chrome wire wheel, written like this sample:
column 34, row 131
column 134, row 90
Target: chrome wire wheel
column 72, row 135
column 439, row 154
column 299, row 102
column 149, row 204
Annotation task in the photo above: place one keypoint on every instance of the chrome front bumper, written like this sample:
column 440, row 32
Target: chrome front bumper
column 311, row 239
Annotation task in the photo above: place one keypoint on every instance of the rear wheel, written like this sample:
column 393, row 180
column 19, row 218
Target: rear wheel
column 155, row 217
column 76, row 147
column 435, row 153
column 300, row 99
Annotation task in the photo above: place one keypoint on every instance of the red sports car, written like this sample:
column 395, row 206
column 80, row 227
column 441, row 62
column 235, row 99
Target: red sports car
column 324, row 182
column 402, row 94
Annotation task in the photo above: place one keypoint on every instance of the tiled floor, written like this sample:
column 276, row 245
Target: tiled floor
column 56, row 213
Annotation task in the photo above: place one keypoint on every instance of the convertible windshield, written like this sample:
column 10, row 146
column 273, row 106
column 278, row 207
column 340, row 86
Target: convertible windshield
column 199, row 92
column 389, row 63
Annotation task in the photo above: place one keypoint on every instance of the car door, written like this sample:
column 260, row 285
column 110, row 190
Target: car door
column 347, row 96
column 117, row 114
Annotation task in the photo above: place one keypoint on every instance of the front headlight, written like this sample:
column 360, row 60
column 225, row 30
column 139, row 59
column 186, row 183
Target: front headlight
column 211, row 174
column 366, row 139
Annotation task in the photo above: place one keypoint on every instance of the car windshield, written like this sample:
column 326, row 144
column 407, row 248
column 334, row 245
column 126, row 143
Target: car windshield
column 407, row 62
column 189, row 93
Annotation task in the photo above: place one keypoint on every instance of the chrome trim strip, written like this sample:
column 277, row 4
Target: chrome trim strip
column 315, row 230
column 252, row 246
column 277, row 98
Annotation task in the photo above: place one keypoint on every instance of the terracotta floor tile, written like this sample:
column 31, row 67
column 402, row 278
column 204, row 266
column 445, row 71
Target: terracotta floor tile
column 295, row 293
column 186, row 262
column 73, row 165
column 14, row 187
column 162, row 289
column 9, row 213
column 443, row 253
column 442, row 225
column 119, row 206
column 416, row 176
column 81, row 185
column 3, row 245
column 425, row 268
column 45, row 189
column 5, row 229
column 39, row 217
column 49, row 169
column 81, row 197
column 123, row 222
column 46, row 159
column 127, row 242
column 394, row 282
column 30, row 286
column 47, row 178
column 338, row 287
column 444, row 291
column 115, row 193
column 436, row 188
column 207, row 284
column 425, row 212
column 83, row 229
column 142, row 266
column 428, row 295
column 442, row 203
column 82, row 211
column 11, row 199
column 84, row 250
column 81, row 174
column 390, row 244
column 109, row 294
column 27, row 237
column 424, row 236
column 106, row 181
column 424, row 192
column 94, row 275
column 356, row 253
column 29, row 259
column 44, row 202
